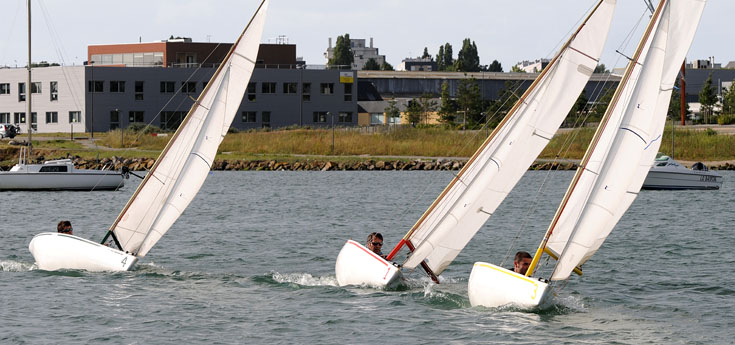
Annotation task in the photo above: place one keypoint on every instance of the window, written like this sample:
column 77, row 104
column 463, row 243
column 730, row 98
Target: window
column 248, row 116
column 348, row 92
column 138, row 90
column 21, row 92
column 53, row 168
column 4, row 117
column 19, row 117
column 34, row 121
column 114, row 119
column 289, row 87
column 188, row 87
column 53, row 88
column 326, row 88
column 251, row 92
column 36, row 87
column 117, row 86
column 4, row 89
column 268, row 87
column 135, row 116
column 204, row 85
column 168, row 87
column 266, row 118
column 345, row 117
column 95, row 86
column 52, row 117
column 172, row 119
column 306, row 92
column 320, row 117
column 75, row 116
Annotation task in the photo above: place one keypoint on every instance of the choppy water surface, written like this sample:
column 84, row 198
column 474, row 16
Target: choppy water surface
column 252, row 261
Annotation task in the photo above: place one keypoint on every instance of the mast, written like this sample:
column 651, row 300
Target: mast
column 595, row 139
column 683, row 96
column 29, row 115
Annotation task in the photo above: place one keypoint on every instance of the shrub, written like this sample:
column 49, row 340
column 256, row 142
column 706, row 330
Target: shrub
column 142, row 127
column 726, row 119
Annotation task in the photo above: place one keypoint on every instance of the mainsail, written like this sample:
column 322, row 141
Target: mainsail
column 620, row 155
column 474, row 194
column 183, row 165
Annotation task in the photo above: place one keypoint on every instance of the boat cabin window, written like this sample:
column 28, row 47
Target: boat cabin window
column 54, row 168
column 662, row 164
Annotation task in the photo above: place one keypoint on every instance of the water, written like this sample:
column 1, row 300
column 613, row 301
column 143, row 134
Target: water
column 252, row 261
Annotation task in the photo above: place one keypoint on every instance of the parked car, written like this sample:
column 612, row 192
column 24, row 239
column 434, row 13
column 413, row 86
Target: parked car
column 8, row 130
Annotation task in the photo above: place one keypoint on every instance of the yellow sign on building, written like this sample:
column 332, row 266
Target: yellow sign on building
column 346, row 77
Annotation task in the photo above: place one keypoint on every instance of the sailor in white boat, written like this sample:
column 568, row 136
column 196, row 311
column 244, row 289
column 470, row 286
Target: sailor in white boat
column 64, row 227
column 521, row 262
column 375, row 243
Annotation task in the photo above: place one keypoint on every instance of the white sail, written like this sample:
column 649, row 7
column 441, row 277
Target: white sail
column 465, row 205
column 621, row 158
column 184, row 164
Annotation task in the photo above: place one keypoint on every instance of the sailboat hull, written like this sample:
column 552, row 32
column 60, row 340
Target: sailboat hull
column 357, row 265
column 55, row 251
column 494, row 286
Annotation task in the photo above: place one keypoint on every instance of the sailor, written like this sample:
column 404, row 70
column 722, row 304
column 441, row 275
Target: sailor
column 64, row 227
column 521, row 262
column 375, row 243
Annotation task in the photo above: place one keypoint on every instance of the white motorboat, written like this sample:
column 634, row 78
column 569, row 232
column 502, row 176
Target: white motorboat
column 666, row 173
column 58, row 174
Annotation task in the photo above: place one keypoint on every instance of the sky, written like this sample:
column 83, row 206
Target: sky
column 507, row 31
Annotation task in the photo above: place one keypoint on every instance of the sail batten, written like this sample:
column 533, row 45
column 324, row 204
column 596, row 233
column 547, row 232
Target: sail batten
column 487, row 178
column 183, row 165
column 623, row 152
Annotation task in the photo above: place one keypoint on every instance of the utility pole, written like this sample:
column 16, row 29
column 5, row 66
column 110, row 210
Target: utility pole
column 332, row 116
column 29, row 88
column 683, row 93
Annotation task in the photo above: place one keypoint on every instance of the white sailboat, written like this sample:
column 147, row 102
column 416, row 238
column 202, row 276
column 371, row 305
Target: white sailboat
column 176, row 177
column 613, row 168
column 487, row 178
column 57, row 174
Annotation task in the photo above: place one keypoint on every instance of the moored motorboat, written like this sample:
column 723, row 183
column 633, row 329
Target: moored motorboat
column 666, row 173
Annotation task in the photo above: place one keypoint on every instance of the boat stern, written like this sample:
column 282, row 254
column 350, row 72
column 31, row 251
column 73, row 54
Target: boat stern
column 494, row 286
column 55, row 251
column 357, row 265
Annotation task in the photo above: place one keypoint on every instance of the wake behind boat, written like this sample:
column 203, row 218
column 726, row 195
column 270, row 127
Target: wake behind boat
column 483, row 183
column 175, row 178
column 58, row 174
column 668, row 174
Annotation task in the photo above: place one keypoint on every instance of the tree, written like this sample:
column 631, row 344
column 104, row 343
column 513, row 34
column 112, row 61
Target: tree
column 675, row 102
column 598, row 110
column 467, row 59
column 427, row 104
column 708, row 99
column 507, row 97
column 469, row 100
column 426, row 54
column 728, row 100
column 385, row 66
column 444, row 59
column 578, row 109
column 392, row 111
column 601, row 69
column 495, row 66
column 343, row 55
column 517, row 69
column 414, row 112
column 447, row 107
column 371, row 65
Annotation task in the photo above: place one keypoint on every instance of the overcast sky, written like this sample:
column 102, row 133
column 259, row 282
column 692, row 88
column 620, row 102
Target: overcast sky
column 509, row 31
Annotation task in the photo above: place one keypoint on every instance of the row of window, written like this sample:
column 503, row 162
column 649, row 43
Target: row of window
column 51, row 117
column 35, row 88
column 291, row 88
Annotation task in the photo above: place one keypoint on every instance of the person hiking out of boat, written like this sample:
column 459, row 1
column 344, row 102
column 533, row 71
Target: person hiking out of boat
column 521, row 262
column 375, row 243
column 64, row 227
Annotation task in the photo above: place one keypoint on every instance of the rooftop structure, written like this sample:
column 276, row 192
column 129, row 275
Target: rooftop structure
column 361, row 52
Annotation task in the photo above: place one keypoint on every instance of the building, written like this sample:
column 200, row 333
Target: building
column 113, row 91
column 418, row 64
column 361, row 53
column 535, row 66
column 709, row 63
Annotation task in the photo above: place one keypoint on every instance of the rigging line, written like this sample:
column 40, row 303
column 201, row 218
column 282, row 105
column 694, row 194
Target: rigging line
column 5, row 49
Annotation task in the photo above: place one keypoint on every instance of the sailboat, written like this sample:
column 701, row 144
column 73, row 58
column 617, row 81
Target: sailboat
column 476, row 191
column 59, row 174
column 613, row 168
column 174, row 179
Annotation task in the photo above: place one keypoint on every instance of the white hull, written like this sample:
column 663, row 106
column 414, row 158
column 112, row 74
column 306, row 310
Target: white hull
column 687, row 179
column 55, row 251
column 78, row 180
column 494, row 286
column 357, row 265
